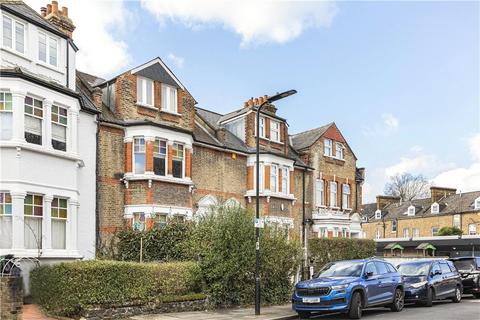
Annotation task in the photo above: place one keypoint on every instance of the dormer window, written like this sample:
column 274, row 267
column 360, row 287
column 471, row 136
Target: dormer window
column 275, row 131
column 339, row 150
column 169, row 98
column 411, row 211
column 145, row 92
column 364, row 219
column 47, row 49
column 13, row 34
column 378, row 214
column 327, row 146
column 477, row 204
column 435, row 208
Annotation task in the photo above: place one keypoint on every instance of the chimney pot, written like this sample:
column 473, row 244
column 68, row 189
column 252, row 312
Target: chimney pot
column 49, row 9
column 255, row 102
column 260, row 100
column 65, row 11
column 43, row 11
column 250, row 102
column 265, row 97
column 54, row 7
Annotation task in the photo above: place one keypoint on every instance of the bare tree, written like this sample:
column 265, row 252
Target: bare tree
column 407, row 186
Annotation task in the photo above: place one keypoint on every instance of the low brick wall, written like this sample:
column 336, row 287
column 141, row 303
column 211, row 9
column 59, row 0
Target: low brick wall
column 128, row 311
column 11, row 298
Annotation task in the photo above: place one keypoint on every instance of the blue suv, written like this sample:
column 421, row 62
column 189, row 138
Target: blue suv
column 350, row 286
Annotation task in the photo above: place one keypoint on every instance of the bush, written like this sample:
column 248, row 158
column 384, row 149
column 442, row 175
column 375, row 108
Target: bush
column 450, row 231
column 224, row 245
column 67, row 289
column 164, row 244
column 325, row 250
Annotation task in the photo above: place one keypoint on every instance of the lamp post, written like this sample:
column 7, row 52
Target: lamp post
column 276, row 97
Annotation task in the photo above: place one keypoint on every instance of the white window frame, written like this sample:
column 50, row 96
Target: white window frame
column 457, row 221
column 159, row 155
column 327, row 147
column 415, row 232
column 273, row 177
column 320, row 192
column 285, row 180
column 33, row 115
column 323, row 232
column 472, row 229
column 59, row 123
column 13, row 26
column 261, row 181
column 339, row 150
column 406, row 232
column 274, row 131
column 346, row 196
column 169, row 101
column 411, row 211
column 178, row 144
column 378, row 215
column 58, row 218
column 7, row 111
column 142, row 91
column 48, row 40
column 333, row 194
column 435, row 233
column 262, row 127
column 378, row 234
column 476, row 204
column 435, row 208
column 144, row 152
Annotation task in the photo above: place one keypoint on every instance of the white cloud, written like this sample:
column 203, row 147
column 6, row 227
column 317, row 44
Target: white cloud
column 425, row 164
column 176, row 60
column 388, row 124
column 101, row 53
column 256, row 21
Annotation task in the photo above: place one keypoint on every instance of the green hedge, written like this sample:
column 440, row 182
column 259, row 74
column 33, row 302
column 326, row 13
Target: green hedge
column 324, row 250
column 168, row 243
column 67, row 289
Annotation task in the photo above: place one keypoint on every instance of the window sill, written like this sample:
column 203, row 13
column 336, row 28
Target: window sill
column 136, row 177
column 40, row 149
column 270, row 140
column 333, row 158
column 50, row 67
column 170, row 112
column 252, row 193
column 138, row 104
column 16, row 53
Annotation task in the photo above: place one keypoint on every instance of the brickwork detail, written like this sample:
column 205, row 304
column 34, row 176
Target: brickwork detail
column 11, row 298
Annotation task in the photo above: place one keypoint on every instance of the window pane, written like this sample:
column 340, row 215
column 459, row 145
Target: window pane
column 7, row 31
column 19, row 37
column 33, row 233
column 5, row 232
column 42, row 47
column 140, row 97
column 52, row 51
column 177, row 168
column 149, row 90
column 6, row 120
column 164, row 97
column 58, row 233
column 159, row 166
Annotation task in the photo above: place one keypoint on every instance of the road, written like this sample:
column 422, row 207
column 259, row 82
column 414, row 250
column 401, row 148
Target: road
column 467, row 309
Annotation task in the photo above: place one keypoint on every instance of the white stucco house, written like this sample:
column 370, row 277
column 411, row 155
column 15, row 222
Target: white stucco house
column 47, row 139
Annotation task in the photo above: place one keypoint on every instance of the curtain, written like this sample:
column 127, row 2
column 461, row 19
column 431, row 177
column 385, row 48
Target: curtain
column 59, row 227
column 5, row 232
column 33, row 233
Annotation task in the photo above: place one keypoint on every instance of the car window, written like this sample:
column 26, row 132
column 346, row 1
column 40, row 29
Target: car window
column 445, row 268
column 464, row 265
column 478, row 263
column 381, row 267
column 452, row 267
column 371, row 268
column 414, row 269
column 435, row 267
column 390, row 268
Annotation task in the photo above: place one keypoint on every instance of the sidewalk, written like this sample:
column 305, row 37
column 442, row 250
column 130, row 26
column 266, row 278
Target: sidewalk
column 267, row 313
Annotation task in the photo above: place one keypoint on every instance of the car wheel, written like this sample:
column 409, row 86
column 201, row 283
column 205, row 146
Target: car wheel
column 458, row 295
column 304, row 314
column 429, row 301
column 355, row 311
column 398, row 301
column 476, row 295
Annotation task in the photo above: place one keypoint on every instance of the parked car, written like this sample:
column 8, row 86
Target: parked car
column 469, row 269
column 350, row 286
column 429, row 280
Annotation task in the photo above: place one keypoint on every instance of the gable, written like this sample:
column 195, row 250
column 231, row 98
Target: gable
column 157, row 70
column 333, row 133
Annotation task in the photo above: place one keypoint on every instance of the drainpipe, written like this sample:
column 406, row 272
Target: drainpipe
column 304, row 231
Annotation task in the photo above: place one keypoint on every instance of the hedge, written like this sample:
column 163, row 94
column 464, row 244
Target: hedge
column 67, row 289
column 324, row 250
column 168, row 243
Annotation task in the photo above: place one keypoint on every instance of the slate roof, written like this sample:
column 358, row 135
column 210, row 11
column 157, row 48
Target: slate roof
column 453, row 204
column 305, row 139
column 89, row 80
column 20, row 9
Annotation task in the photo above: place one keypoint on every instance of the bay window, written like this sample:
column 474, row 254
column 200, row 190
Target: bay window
column 139, row 155
column 177, row 160
column 6, row 115
column 33, row 215
column 59, row 223
column 327, row 146
column 5, row 220
column 273, row 177
column 333, row 194
column 33, row 120
column 320, row 193
column 285, row 186
column 159, row 157
column 346, row 196
column 59, row 128
column 169, row 98
column 13, row 34
column 47, row 49
column 145, row 91
column 159, row 220
column 275, row 131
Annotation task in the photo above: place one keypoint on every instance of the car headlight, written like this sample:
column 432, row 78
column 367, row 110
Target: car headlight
column 340, row 287
column 418, row 284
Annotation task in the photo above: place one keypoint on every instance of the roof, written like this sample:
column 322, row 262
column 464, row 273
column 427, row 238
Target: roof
column 425, row 246
column 453, row 204
column 305, row 139
column 89, row 80
column 23, row 11
column 393, row 246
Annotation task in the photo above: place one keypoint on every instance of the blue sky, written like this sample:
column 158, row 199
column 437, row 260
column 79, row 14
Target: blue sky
column 400, row 79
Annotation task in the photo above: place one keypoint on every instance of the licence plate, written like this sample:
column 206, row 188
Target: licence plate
column 310, row 300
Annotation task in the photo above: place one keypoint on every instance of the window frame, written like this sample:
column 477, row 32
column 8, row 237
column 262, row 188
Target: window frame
column 142, row 96
column 5, row 111
column 285, row 180
column 474, row 225
column 262, row 128
column 333, row 204
column 457, row 220
column 167, row 98
column 58, row 218
column 261, row 169
column 378, row 214
column 274, row 177
column 39, row 243
column 328, row 146
column 48, row 41
column 476, row 204
column 13, row 34
column 159, row 155
column 176, row 158
column 394, row 224
column 320, row 193
column 409, row 211
column 4, row 204
column 33, row 115
column 339, row 150
column 58, row 123
column 134, row 157
column 406, row 232
column 275, row 131
column 346, row 196
column 415, row 232
column 435, row 208
column 435, row 233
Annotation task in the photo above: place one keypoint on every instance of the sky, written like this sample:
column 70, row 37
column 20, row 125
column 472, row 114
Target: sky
column 400, row 79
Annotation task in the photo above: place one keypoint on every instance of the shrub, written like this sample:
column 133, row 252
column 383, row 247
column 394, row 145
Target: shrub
column 325, row 250
column 165, row 244
column 69, row 288
column 224, row 245
column 450, row 231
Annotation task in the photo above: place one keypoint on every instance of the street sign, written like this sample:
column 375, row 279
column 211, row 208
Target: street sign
column 259, row 223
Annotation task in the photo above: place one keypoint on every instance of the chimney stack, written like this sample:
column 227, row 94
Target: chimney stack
column 437, row 193
column 58, row 18
column 383, row 201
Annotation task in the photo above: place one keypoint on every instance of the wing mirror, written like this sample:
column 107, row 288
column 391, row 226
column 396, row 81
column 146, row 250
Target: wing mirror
column 368, row 274
column 437, row 272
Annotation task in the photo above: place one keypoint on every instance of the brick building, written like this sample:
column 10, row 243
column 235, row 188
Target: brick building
column 422, row 218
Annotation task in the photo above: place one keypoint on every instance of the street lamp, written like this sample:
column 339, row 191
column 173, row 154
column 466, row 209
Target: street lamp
column 276, row 97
